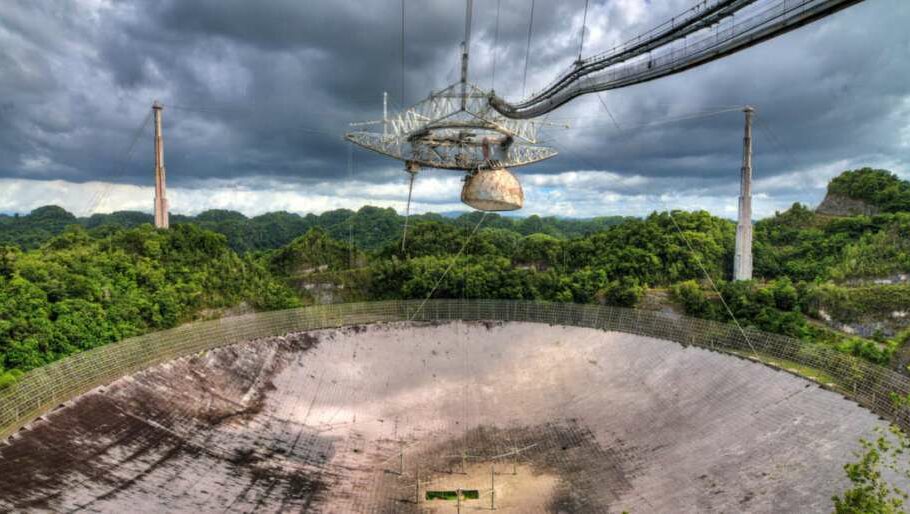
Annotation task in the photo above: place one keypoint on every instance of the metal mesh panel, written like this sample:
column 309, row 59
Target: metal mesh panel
column 42, row 389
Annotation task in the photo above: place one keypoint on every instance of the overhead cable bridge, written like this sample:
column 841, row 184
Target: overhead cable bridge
column 710, row 30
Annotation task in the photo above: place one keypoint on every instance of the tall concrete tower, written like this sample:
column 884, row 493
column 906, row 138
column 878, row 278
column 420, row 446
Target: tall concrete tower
column 742, row 261
column 161, row 220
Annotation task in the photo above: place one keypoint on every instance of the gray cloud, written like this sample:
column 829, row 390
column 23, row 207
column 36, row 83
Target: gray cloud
column 258, row 94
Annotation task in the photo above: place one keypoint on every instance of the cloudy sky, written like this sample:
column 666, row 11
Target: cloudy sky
column 257, row 96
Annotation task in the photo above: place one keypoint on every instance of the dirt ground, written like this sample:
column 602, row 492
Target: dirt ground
column 368, row 419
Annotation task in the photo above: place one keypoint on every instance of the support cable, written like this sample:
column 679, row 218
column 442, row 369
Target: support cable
column 208, row 109
column 496, row 44
column 622, row 66
column 407, row 211
column 701, row 265
column 584, row 25
column 469, row 11
column 604, row 104
column 351, row 224
column 778, row 143
column 524, row 81
column 713, row 285
column 661, row 360
column 626, row 130
column 666, row 121
column 402, row 52
column 449, row 267
column 465, row 52
column 99, row 197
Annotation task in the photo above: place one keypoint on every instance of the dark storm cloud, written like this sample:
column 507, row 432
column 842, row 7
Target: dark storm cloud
column 833, row 91
column 262, row 91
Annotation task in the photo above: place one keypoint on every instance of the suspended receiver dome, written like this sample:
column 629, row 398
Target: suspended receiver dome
column 492, row 190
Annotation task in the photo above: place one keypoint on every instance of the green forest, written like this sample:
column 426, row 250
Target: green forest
column 371, row 227
column 68, row 284
column 80, row 290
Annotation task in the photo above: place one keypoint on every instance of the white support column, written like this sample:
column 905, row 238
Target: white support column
column 161, row 207
column 742, row 261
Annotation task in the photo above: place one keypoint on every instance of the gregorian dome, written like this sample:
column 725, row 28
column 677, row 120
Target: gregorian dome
column 492, row 190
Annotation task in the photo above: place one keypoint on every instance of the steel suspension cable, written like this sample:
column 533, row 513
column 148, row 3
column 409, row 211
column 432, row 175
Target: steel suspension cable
column 584, row 25
column 449, row 267
column 496, row 44
column 99, row 197
column 619, row 68
column 704, row 271
column 777, row 142
column 524, row 80
column 351, row 224
column 402, row 53
column 407, row 211
column 625, row 130
column 665, row 121
column 604, row 104
column 713, row 285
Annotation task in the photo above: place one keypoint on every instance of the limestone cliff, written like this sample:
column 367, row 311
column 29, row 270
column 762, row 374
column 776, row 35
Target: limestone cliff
column 836, row 204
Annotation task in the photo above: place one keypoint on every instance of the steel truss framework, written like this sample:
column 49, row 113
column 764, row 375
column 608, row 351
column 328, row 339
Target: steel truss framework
column 456, row 129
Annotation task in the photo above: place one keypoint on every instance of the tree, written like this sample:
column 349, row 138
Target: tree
column 880, row 188
column 540, row 251
column 79, row 291
column 692, row 298
column 625, row 292
column 314, row 251
column 8, row 256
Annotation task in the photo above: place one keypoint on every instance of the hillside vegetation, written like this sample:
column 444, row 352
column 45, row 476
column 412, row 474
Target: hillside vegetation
column 68, row 284
column 371, row 227
column 879, row 188
column 79, row 291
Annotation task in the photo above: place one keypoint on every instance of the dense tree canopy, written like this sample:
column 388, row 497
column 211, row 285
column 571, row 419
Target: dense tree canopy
column 78, row 291
column 880, row 188
column 312, row 252
column 370, row 227
column 37, row 227
column 70, row 283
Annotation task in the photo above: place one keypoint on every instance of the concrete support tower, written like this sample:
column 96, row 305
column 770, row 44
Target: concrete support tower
column 161, row 220
column 742, row 262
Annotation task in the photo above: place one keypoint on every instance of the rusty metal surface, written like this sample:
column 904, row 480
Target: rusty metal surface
column 344, row 420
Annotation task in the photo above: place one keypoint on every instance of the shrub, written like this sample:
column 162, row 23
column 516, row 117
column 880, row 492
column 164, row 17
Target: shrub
column 870, row 492
column 879, row 353
column 693, row 300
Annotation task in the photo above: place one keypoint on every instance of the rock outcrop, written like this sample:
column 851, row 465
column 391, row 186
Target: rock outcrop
column 836, row 204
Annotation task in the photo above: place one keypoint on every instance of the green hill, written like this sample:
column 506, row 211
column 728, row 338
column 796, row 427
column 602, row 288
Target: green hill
column 369, row 227
column 866, row 191
column 78, row 291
